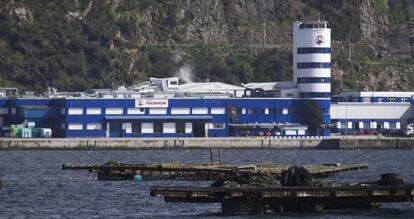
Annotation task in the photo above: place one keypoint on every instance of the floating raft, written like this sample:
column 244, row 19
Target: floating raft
column 262, row 200
column 119, row 171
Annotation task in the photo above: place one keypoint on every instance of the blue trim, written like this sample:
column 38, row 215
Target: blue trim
column 306, row 65
column 314, row 95
column 159, row 117
column 311, row 50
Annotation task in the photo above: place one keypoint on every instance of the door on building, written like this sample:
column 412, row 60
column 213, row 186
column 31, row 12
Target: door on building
column 199, row 129
column 115, row 129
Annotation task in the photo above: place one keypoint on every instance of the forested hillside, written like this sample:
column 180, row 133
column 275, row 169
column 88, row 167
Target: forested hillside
column 81, row 44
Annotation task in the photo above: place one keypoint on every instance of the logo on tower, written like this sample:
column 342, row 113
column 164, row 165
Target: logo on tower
column 319, row 39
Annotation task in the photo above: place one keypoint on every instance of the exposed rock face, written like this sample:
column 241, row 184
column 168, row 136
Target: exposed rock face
column 372, row 24
column 218, row 21
column 399, row 42
column 23, row 15
column 113, row 34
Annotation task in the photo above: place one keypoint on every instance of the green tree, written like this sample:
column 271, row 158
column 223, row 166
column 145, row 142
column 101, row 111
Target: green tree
column 312, row 116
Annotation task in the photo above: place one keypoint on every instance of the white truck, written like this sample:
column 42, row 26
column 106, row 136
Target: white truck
column 409, row 130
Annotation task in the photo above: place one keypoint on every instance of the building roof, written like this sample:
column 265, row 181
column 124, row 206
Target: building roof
column 376, row 94
column 146, row 117
column 209, row 87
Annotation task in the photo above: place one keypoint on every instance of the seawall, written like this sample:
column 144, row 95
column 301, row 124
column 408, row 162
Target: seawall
column 196, row 143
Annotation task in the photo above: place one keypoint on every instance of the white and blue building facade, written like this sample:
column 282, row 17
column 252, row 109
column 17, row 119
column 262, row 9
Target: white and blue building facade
column 312, row 59
column 174, row 117
column 380, row 112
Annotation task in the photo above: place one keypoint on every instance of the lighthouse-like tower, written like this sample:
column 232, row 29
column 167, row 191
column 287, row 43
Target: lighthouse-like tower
column 312, row 58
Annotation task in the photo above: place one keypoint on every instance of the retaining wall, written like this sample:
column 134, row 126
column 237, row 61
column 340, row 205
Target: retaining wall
column 237, row 143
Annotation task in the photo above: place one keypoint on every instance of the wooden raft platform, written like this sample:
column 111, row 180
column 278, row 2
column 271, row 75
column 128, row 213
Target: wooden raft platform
column 199, row 171
column 262, row 200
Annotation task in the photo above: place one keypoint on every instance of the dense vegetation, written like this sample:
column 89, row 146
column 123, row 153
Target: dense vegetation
column 76, row 45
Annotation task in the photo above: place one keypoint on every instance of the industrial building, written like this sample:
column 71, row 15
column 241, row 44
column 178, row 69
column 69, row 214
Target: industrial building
column 162, row 107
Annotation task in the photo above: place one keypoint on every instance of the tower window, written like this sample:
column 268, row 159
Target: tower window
column 304, row 65
column 306, row 80
column 310, row 50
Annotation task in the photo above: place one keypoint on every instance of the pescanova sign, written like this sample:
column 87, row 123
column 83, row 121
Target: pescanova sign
column 151, row 103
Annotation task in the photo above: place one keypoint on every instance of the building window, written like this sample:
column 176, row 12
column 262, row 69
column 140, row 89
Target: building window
column 75, row 111
column 306, row 80
column 147, row 128
column 168, row 127
column 159, row 111
column 136, row 111
column 260, row 110
column 218, row 110
column 94, row 126
column 114, row 111
column 251, row 111
column 367, row 125
column 180, row 127
column 305, row 65
column 404, row 99
column 380, row 125
column 93, row 111
column 199, row 111
column 343, row 125
column 380, row 99
column 182, row 111
column 75, row 126
column 285, row 111
column 243, row 111
column 392, row 99
column 136, row 128
column 218, row 125
column 62, row 111
column 366, row 99
column 158, row 127
column 393, row 125
column 310, row 50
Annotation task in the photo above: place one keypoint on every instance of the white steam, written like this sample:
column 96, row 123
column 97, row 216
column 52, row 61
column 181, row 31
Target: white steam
column 185, row 72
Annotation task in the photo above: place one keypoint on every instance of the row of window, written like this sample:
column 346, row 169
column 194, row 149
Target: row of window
column 369, row 125
column 312, row 26
column 305, row 65
column 313, row 80
column 267, row 111
column 146, row 127
column 310, row 50
column 151, row 111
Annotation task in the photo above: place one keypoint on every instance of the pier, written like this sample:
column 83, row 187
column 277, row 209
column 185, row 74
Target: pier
column 259, row 200
column 119, row 171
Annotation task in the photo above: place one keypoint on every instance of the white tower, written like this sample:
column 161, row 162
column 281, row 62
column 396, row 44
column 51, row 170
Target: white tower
column 312, row 58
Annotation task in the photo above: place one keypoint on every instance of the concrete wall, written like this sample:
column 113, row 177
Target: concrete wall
column 194, row 143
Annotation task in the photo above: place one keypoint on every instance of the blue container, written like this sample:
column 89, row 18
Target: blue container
column 138, row 178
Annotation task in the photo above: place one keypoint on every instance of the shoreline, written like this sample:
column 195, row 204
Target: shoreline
column 334, row 142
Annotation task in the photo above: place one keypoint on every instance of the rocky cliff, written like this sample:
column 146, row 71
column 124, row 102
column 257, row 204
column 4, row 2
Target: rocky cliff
column 79, row 44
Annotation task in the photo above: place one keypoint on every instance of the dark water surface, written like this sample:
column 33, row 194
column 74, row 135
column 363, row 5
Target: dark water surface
column 35, row 186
